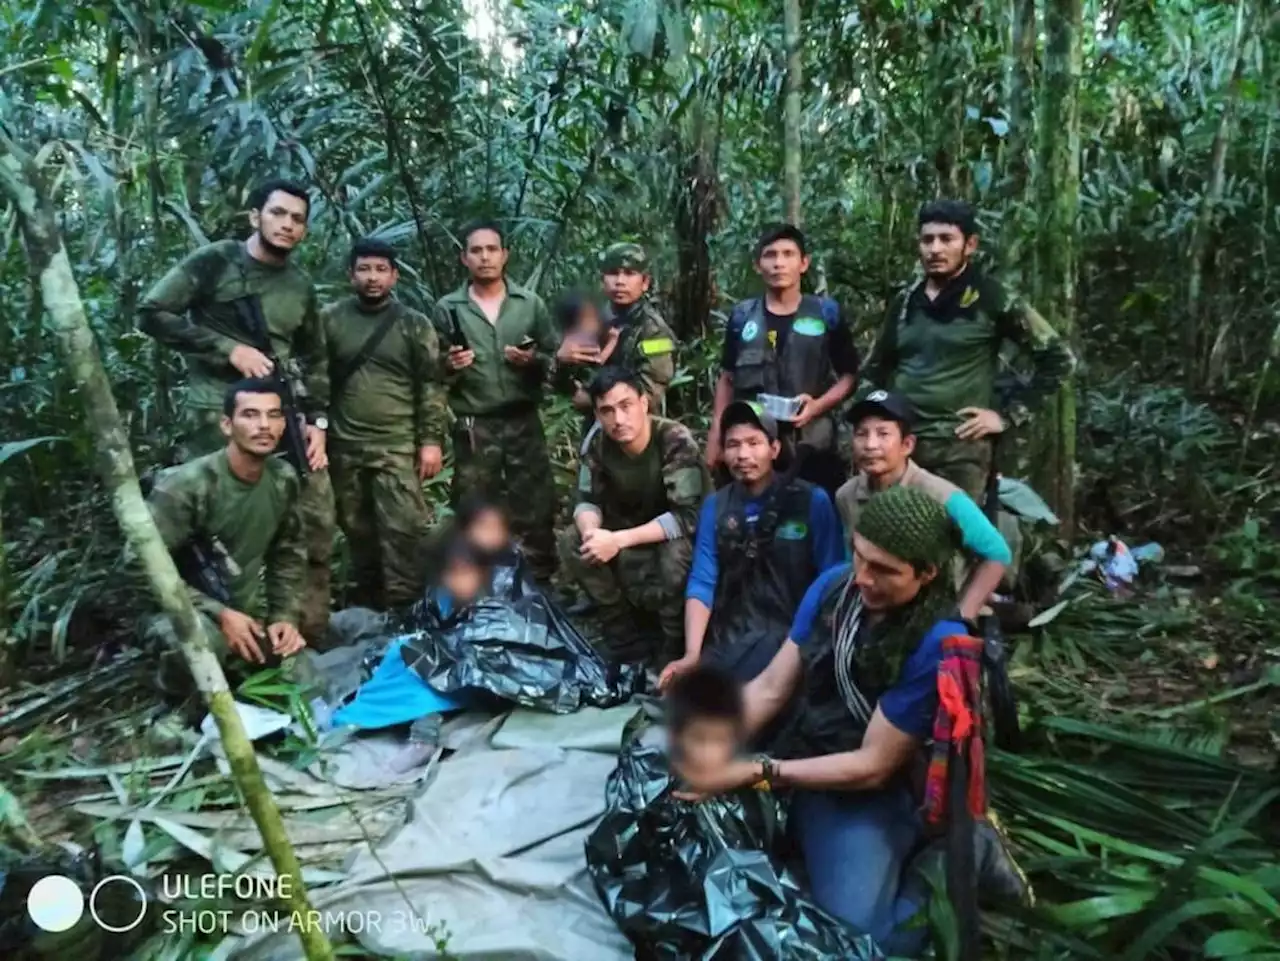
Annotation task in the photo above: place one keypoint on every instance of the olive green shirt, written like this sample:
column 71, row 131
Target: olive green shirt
column 259, row 525
column 491, row 384
column 191, row 310
column 944, row 364
column 666, row 482
column 394, row 402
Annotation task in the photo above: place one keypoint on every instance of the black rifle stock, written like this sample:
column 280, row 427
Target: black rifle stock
column 294, row 442
column 205, row 565
column 995, row 655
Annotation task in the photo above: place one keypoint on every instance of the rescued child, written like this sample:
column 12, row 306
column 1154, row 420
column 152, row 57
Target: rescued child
column 581, row 322
column 395, row 695
column 704, row 719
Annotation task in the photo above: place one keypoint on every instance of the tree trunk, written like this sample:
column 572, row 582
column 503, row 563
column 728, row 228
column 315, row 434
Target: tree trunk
column 791, row 116
column 1058, row 199
column 20, row 181
column 1199, row 252
column 1021, row 94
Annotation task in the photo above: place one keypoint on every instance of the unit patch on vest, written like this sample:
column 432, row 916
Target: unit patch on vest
column 773, row 339
column 809, row 327
column 793, row 531
column 970, row 297
column 656, row 345
column 749, row 330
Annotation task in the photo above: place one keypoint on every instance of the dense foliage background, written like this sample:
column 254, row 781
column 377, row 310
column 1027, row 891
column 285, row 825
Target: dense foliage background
column 1122, row 154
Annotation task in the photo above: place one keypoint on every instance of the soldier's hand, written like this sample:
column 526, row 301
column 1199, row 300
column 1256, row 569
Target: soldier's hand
column 285, row 639
column 243, row 635
column 317, row 458
column 808, row 410
column 250, row 361
column 459, row 359
column 575, row 352
column 430, row 461
column 979, row 423
column 600, row 546
column 517, row 357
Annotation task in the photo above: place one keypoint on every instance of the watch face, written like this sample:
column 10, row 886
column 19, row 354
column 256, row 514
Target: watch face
column 322, row 423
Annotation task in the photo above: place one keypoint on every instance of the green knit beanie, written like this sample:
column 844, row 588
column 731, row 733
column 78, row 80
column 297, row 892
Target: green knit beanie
column 910, row 525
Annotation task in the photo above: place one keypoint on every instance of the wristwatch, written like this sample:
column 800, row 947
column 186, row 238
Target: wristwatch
column 320, row 421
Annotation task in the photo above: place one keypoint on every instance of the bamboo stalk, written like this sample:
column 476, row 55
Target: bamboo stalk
column 791, row 121
column 20, row 180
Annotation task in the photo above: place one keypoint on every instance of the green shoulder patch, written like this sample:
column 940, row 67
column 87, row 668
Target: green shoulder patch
column 657, row 345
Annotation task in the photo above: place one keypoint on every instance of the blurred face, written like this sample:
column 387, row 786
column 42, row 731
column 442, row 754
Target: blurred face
column 886, row 582
column 373, row 278
column 749, row 453
column 879, row 447
column 707, row 743
column 625, row 285
column 489, row 532
column 463, row 581
column 623, row 413
column 781, row 265
column 484, row 256
column 257, row 424
column 589, row 324
column 282, row 221
column 944, row 250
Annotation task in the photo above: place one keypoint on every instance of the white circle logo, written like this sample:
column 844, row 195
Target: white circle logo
column 118, row 879
column 55, row 903
column 878, row 395
column 750, row 330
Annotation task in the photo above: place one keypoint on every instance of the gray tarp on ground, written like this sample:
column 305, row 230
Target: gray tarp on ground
column 493, row 849
column 708, row 880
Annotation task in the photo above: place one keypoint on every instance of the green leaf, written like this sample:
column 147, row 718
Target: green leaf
column 1235, row 943
column 15, row 447
column 263, row 32
column 640, row 26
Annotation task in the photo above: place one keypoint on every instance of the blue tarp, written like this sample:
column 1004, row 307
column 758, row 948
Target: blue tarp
column 394, row 695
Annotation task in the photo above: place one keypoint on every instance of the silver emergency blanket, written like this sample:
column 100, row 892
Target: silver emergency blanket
column 707, row 880
column 517, row 645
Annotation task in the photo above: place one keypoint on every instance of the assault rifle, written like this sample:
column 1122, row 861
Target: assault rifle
column 288, row 378
column 995, row 654
column 205, row 565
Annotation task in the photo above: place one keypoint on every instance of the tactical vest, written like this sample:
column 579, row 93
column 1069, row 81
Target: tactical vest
column 765, row 569
column 804, row 366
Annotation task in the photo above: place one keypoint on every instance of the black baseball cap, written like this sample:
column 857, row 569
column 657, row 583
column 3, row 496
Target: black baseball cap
column 745, row 412
column 886, row 404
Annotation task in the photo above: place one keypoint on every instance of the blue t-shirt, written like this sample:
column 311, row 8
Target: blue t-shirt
column 911, row 704
column 828, row 542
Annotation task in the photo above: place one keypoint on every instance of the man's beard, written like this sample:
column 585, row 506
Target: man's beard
column 271, row 248
column 369, row 300
column 950, row 274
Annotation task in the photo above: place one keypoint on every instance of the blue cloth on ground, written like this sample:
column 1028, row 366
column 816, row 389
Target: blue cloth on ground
column 394, row 695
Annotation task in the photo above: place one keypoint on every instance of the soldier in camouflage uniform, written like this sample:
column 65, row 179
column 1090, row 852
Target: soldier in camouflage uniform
column 645, row 342
column 640, row 486
column 240, row 506
column 192, row 309
column 501, row 346
column 940, row 348
column 388, row 419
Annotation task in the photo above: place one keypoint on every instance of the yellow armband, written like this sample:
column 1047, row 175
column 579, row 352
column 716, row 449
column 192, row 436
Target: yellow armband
column 657, row 345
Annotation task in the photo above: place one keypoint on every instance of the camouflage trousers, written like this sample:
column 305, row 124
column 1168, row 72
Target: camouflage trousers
column 641, row 582
column 966, row 463
column 382, row 511
column 204, row 436
column 504, row 459
column 173, row 677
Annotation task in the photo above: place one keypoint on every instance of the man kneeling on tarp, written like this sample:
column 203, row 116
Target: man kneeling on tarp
column 761, row 541
column 232, row 522
column 874, row 642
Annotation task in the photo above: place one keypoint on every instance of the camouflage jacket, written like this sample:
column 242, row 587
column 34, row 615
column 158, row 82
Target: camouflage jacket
column 944, row 363
column 667, row 482
column 190, row 309
column 259, row 525
column 395, row 401
column 645, row 345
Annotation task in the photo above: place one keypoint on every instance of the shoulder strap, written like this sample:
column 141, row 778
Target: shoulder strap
column 342, row 375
